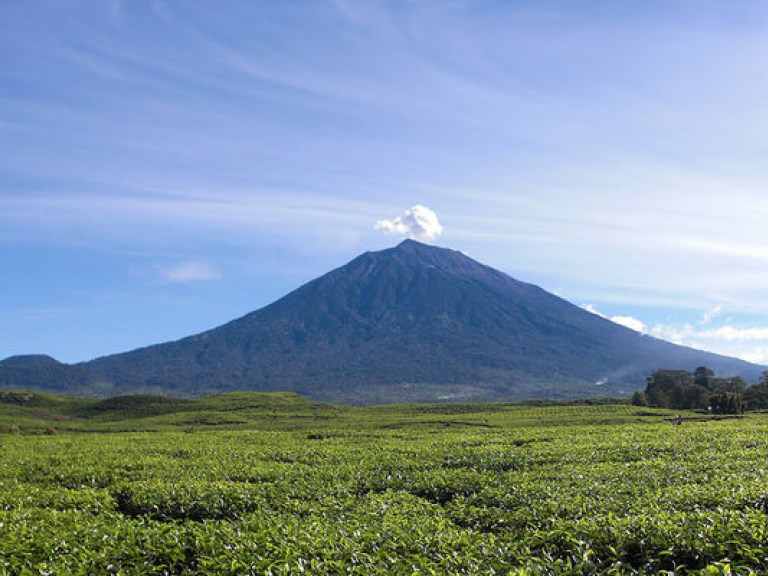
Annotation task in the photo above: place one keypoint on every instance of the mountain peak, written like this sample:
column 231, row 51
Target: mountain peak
column 410, row 244
column 424, row 250
column 453, row 263
column 415, row 253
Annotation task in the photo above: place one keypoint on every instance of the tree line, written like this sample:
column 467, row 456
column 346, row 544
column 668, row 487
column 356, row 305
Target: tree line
column 702, row 390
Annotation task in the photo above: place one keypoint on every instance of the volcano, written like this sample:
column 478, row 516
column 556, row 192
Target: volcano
column 410, row 323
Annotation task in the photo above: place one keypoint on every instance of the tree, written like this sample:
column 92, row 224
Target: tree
column 703, row 376
column 726, row 403
column 735, row 384
column 698, row 389
column 638, row 399
column 756, row 397
column 661, row 390
column 691, row 397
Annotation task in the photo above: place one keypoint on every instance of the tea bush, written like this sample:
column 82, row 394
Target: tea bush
column 534, row 490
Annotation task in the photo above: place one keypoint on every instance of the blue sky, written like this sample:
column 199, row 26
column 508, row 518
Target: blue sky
column 166, row 166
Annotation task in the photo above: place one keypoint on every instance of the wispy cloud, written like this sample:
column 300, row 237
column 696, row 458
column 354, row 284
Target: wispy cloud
column 238, row 215
column 711, row 314
column 40, row 314
column 729, row 249
column 746, row 342
column 735, row 334
column 189, row 272
column 749, row 343
column 677, row 334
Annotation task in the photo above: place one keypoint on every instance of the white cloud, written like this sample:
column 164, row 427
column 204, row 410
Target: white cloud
column 189, row 272
column 626, row 321
column 732, row 334
column 747, row 343
column 630, row 322
column 674, row 333
column 418, row 223
column 711, row 314
column 757, row 355
column 591, row 308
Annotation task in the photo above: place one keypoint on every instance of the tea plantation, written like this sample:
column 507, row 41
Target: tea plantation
column 242, row 484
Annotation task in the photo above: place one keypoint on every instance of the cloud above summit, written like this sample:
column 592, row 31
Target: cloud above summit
column 419, row 223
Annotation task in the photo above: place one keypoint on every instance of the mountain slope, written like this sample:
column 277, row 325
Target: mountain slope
column 414, row 322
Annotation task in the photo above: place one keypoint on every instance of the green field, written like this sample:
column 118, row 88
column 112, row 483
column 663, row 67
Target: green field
column 250, row 483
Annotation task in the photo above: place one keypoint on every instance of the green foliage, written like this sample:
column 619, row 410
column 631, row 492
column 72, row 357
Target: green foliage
column 703, row 377
column 664, row 385
column 734, row 385
column 638, row 399
column 133, row 406
column 298, row 487
column 756, row 397
column 727, row 403
column 698, row 390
